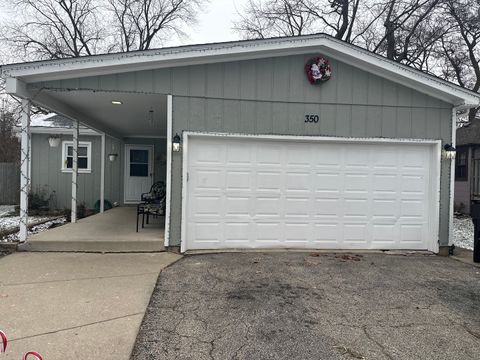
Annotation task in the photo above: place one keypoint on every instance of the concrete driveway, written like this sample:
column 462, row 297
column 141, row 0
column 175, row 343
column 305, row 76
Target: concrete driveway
column 313, row 306
column 74, row 305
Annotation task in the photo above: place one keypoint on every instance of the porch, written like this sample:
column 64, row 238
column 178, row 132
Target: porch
column 111, row 231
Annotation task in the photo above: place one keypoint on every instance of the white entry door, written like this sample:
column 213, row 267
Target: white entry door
column 244, row 192
column 138, row 171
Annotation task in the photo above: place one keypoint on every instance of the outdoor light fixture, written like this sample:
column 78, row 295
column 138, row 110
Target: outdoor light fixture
column 150, row 117
column 117, row 102
column 54, row 141
column 449, row 151
column 176, row 143
column 112, row 157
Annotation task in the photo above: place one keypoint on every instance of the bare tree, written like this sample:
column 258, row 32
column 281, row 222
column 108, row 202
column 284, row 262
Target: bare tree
column 297, row 17
column 51, row 29
column 146, row 23
column 410, row 28
column 459, row 51
column 402, row 30
column 262, row 19
column 9, row 144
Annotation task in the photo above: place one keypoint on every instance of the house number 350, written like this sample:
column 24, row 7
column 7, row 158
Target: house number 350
column 312, row 118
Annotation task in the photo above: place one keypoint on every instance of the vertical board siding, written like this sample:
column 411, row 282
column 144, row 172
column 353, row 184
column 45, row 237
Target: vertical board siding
column 272, row 96
column 9, row 183
column 47, row 174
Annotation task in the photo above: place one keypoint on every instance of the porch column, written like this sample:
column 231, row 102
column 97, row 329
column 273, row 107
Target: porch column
column 24, row 168
column 74, row 171
column 102, row 175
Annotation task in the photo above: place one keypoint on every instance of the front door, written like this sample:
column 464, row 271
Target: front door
column 138, row 171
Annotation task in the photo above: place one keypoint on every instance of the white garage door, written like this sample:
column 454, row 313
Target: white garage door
column 245, row 192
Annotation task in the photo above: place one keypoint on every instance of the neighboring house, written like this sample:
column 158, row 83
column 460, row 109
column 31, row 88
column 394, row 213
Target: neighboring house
column 257, row 155
column 467, row 166
column 51, row 166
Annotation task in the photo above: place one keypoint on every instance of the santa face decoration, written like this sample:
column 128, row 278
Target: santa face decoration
column 318, row 70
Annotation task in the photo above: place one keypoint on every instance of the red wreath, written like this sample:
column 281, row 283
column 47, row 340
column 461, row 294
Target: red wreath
column 318, row 70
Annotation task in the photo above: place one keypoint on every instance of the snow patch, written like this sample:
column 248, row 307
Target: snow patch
column 35, row 229
column 463, row 232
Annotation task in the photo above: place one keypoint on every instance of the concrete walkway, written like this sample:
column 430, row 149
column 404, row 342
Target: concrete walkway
column 112, row 231
column 76, row 306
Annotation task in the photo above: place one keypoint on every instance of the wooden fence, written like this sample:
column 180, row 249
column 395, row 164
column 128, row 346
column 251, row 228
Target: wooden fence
column 9, row 183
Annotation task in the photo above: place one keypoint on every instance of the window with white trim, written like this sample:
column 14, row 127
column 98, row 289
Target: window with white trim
column 84, row 156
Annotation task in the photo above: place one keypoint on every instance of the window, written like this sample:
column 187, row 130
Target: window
column 461, row 164
column 139, row 163
column 84, row 156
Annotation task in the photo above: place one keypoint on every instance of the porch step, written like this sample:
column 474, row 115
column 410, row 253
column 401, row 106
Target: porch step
column 110, row 246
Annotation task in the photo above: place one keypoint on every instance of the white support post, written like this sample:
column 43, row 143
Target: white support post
column 74, row 171
column 169, row 170
column 102, row 175
column 25, row 173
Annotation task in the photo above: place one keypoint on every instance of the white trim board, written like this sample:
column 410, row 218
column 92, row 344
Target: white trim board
column 168, row 197
column 59, row 131
column 234, row 51
column 435, row 176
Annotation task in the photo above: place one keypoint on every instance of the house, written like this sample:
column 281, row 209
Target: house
column 467, row 162
column 51, row 143
column 304, row 142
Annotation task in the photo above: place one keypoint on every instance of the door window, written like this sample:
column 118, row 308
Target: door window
column 139, row 163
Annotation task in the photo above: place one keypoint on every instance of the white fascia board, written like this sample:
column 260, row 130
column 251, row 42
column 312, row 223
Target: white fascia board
column 61, row 131
column 242, row 50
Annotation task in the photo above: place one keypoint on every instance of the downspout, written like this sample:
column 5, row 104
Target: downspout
column 452, row 175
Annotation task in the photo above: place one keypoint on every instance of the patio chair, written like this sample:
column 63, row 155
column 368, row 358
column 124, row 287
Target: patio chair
column 156, row 192
column 152, row 203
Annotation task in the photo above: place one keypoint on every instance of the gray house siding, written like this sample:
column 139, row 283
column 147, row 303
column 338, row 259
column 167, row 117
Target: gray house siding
column 272, row 96
column 47, row 172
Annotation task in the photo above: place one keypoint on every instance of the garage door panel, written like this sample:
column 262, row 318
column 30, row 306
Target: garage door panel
column 237, row 206
column 269, row 181
column 384, row 233
column 207, row 179
column 411, row 233
column 206, row 206
column 298, row 182
column 326, row 232
column 237, row 232
column 356, row 182
column 327, row 207
column 238, row 154
column 269, row 155
column 355, row 232
column 268, row 206
column 355, row 207
column 268, row 232
column 327, row 182
column 238, row 180
column 256, row 193
column 297, row 232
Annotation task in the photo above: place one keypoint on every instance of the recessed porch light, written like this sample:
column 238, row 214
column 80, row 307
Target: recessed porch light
column 117, row 102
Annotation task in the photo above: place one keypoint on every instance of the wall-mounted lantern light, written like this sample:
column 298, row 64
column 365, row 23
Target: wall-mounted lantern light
column 112, row 157
column 449, row 151
column 176, row 143
column 54, row 141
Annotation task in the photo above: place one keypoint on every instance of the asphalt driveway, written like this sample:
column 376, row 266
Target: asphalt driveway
column 313, row 306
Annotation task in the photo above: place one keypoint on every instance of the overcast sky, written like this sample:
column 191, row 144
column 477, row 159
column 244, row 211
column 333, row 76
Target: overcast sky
column 215, row 24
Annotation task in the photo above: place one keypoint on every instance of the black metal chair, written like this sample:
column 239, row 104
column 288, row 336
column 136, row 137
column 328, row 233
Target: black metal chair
column 152, row 203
